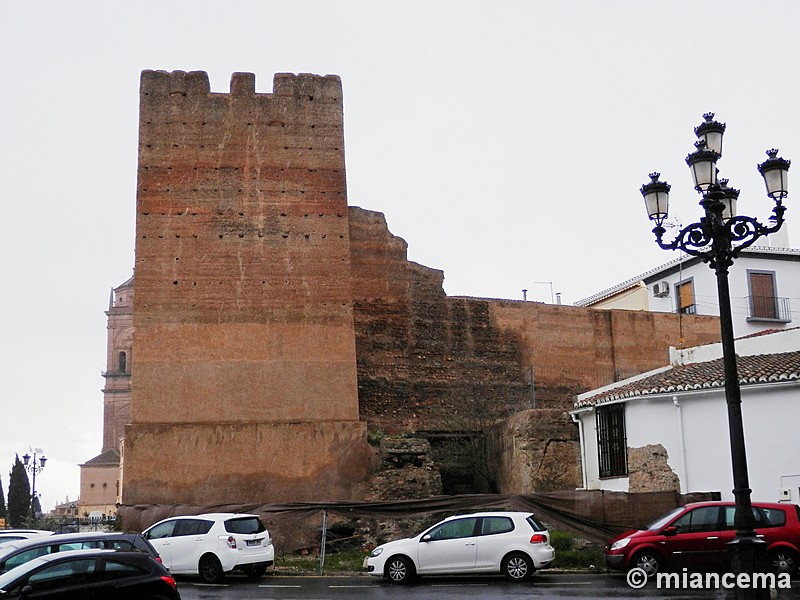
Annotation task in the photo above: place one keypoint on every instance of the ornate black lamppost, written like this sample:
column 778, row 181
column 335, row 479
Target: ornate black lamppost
column 34, row 467
column 717, row 239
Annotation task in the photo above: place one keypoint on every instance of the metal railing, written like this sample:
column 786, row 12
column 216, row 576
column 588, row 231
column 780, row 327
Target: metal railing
column 768, row 308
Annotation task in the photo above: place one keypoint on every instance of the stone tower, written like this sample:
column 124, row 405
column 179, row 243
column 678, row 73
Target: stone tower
column 117, row 389
column 243, row 319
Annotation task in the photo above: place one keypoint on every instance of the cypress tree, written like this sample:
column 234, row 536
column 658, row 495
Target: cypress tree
column 2, row 502
column 19, row 494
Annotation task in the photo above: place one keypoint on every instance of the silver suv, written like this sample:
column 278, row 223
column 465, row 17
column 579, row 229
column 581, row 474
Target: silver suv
column 212, row 544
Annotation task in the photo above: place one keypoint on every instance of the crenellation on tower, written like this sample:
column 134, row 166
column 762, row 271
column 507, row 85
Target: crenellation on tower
column 165, row 83
column 308, row 87
column 243, row 83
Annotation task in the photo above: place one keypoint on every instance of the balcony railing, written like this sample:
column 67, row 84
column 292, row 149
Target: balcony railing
column 768, row 308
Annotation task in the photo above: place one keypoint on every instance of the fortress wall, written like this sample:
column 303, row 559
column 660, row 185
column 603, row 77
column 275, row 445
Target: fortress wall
column 421, row 354
column 425, row 358
column 574, row 349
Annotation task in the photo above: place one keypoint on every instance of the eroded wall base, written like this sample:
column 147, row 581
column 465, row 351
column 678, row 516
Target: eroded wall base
column 229, row 463
column 535, row 451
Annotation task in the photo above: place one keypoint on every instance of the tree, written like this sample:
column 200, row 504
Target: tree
column 2, row 502
column 19, row 494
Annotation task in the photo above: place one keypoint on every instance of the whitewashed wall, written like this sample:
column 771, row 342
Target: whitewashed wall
column 787, row 282
column 693, row 427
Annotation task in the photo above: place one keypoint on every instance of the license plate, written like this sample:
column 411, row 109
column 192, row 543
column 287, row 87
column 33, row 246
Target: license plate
column 253, row 542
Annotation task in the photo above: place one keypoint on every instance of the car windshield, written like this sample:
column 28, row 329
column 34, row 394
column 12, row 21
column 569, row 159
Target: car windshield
column 245, row 525
column 663, row 520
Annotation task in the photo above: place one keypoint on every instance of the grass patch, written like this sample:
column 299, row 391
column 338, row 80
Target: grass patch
column 338, row 562
column 576, row 553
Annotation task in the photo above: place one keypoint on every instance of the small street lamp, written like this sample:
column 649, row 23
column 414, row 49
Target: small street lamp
column 717, row 239
column 34, row 467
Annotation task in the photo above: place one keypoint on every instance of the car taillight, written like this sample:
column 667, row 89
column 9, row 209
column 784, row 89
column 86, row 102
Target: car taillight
column 159, row 561
column 231, row 541
column 170, row 581
column 538, row 538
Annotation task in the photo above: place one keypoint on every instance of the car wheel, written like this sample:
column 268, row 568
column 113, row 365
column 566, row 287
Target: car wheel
column 255, row 571
column 399, row 569
column 517, row 567
column 649, row 562
column 783, row 560
column 210, row 569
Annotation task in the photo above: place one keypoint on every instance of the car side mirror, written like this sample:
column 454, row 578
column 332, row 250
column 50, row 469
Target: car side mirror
column 669, row 531
column 427, row 537
column 26, row 590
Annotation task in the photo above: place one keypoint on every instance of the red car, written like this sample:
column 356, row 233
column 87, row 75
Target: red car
column 695, row 536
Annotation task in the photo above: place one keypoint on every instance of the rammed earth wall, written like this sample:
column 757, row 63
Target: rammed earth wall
column 423, row 356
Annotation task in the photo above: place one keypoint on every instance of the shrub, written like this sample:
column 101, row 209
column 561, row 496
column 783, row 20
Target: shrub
column 576, row 553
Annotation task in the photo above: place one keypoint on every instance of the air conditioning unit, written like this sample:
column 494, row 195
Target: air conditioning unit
column 661, row 289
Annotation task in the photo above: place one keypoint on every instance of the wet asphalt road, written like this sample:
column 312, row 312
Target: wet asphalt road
column 451, row 588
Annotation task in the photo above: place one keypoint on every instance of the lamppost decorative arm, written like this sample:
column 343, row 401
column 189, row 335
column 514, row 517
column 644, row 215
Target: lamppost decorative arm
column 692, row 239
column 718, row 241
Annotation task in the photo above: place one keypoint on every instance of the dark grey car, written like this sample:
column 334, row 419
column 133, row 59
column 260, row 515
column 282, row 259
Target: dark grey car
column 19, row 552
column 70, row 575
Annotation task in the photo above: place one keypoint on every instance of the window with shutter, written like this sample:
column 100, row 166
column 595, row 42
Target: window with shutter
column 763, row 301
column 685, row 295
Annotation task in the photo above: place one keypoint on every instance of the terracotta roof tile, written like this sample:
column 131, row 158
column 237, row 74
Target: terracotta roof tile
column 107, row 458
column 760, row 368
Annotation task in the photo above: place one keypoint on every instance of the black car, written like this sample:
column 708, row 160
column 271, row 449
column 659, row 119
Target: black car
column 80, row 574
column 19, row 552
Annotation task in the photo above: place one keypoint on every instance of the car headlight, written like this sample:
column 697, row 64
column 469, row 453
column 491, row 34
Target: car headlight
column 376, row 552
column 620, row 544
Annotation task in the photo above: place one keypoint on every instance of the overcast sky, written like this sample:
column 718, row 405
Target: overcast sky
column 504, row 141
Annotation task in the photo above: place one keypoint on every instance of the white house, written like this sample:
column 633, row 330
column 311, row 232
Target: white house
column 674, row 420
column 764, row 285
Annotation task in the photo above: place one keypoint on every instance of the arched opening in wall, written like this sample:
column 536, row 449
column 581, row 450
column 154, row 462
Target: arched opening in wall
column 460, row 457
column 123, row 362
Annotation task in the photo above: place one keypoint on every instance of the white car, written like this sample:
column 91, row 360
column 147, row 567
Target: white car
column 13, row 535
column 212, row 544
column 512, row 543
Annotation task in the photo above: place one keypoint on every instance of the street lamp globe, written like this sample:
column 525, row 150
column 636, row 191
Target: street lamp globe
column 711, row 132
column 775, row 171
column 728, row 196
column 703, row 163
column 656, row 198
